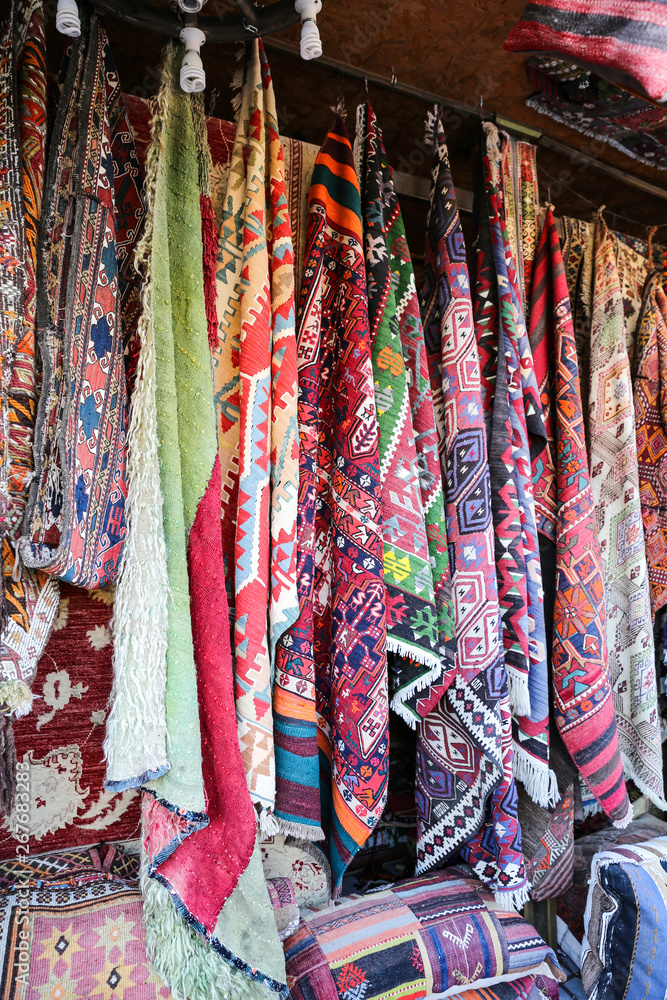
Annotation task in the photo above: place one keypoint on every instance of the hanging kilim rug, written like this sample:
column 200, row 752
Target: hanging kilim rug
column 75, row 522
column 465, row 790
column 348, row 589
column 615, row 486
column 585, row 102
column 416, row 570
column 255, row 377
column 583, row 705
column 31, row 91
column 649, row 383
column 521, row 199
column 199, row 824
column 516, row 429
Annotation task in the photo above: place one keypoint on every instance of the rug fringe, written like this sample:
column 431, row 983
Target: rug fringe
column 626, row 820
column 183, row 959
column 136, row 730
column 268, row 824
column 650, row 793
column 414, row 687
column 517, row 681
column 300, row 831
column 514, row 899
column 538, row 779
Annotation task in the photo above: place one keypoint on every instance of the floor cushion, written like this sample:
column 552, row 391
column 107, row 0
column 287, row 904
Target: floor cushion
column 572, row 902
column 626, row 915
column 423, row 937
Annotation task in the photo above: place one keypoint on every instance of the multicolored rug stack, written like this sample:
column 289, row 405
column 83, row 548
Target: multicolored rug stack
column 465, row 789
column 255, row 379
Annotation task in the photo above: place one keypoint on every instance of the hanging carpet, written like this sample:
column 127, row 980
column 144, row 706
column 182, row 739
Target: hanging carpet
column 465, row 790
column 255, row 379
column 75, row 521
column 585, row 102
column 649, row 383
column 521, row 200
column 348, row 588
column 516, row 434
column 201, row 862
column 583, row 706
column 616, row 493
column 420, row 625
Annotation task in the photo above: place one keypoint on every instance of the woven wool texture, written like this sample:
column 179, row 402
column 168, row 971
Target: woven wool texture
column 582, row 698
column 649, row 384
column 61, row 739
column 255, row 378
column 615, row 487
column 626, row 43
column 458, row 789
column 348, row 590
column 75, row 522
column 420, row 627
column 515, row 432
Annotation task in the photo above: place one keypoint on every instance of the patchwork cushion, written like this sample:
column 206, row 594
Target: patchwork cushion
column 626, row 913
column 423, row 937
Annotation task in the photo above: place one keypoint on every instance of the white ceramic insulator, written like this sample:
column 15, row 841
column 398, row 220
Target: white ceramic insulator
column 311, row 44
column 68, row 21
column 193, row 77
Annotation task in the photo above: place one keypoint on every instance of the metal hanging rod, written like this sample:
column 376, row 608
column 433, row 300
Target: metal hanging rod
column 576, row 157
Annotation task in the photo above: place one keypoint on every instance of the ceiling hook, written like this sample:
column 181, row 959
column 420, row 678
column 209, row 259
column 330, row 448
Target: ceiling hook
column 394, row 78
column 250, row 28
column 366, row 86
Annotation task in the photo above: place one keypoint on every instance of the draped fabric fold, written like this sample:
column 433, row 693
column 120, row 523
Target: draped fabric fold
column 516, row 434
column 349, row 626
column 466, row 799
column 74, row 526
column 521, row 199
column 255, row 378
column 649, row 383
column 616, row 493
column 583, row 703
column 420, row 627
column 199, row 838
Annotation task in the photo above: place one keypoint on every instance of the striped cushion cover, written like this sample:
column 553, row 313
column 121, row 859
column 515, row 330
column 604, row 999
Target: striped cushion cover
column 424, row 937
column 624, row 41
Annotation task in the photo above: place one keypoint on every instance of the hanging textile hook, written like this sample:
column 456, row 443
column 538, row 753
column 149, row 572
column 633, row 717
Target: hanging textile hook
column 68, row 21
column 394, row 78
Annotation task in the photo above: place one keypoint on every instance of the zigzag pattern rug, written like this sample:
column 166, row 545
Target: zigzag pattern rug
column 349, row 590
column 583, row 706
column 420, row 626
column 466, row 797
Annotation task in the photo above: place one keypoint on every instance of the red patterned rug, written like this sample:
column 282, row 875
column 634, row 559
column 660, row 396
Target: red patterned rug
column 62, row 737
